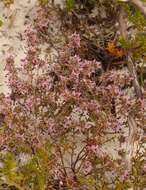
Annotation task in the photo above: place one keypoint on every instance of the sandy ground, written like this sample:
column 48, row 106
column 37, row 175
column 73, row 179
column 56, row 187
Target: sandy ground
column 14, row 23
column 14, row 19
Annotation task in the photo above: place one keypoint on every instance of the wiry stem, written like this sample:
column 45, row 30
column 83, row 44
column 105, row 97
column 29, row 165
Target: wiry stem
column 132, row 70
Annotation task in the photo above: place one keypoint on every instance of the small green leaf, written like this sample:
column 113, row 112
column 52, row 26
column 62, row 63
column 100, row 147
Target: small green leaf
column 43, row 2
column 70, row 4
column 1, row 23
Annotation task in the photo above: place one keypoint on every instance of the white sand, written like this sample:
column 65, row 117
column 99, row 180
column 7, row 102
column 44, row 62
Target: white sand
column 14, row 20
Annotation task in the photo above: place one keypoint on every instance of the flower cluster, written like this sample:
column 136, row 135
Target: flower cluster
column 63, row 115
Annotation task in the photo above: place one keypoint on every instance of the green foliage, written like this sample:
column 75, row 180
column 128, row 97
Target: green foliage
column 138, row 42
column 43, row 2
column 35, row 171
column 1, row 22
column 9, row 171
column 123, row 186
column 70, row 5
column 137, row 46
column 135, row 17
column 33, row 175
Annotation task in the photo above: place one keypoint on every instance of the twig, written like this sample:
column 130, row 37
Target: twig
column 133, row 73
column 79, row 156
column 62, row 161
column 132, row 70
column 131, row 66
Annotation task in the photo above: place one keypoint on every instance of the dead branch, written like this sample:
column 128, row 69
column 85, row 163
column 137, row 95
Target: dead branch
column 132, row 70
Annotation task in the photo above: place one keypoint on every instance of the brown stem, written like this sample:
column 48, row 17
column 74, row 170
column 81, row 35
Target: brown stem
column 79, row 156
column 133, row 73
column 62, row 161
column 131, row 66
column 132, row 70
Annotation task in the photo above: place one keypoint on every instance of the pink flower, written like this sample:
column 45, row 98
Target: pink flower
column 94, row 106
column 144, row 168
column 9, row 64
column 76, row 40
column 77, row 59
column 87, row 167
column 93, row 148
column 10, row 125
column 125, row 175
column 31, row 37
column 29, row 103
column 88, row 125
column 10, row 59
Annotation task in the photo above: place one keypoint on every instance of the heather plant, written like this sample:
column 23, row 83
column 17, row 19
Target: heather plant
column 59, row 117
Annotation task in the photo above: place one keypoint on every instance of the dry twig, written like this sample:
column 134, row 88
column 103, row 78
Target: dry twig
column 131, row 67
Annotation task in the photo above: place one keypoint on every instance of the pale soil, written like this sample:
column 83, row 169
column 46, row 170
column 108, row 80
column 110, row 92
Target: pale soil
column 14, row 23
column 14, row 20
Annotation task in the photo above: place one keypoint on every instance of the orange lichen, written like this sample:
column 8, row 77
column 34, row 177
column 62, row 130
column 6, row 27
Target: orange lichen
column 112, row 49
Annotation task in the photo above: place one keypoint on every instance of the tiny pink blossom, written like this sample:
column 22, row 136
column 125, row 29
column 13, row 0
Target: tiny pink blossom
column 29, row 103
column 10, row 125
column 87, row 167
column 9, row 64
column 77, row 40
column 125, row 175
column 93, row 148
column 144, row 168
column 88, row 125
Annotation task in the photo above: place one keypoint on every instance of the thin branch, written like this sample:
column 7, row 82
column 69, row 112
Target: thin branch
column 132, row 70
column 131, row 66
column 62, row 161
column 133, row 73
column 79, row 156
